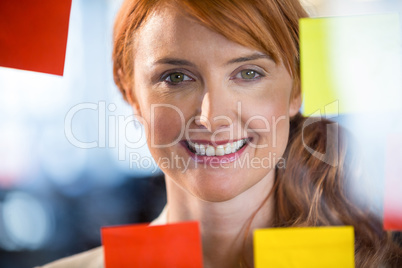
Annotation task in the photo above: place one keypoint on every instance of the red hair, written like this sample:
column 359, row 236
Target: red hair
column 308, row 192
column 251, row 23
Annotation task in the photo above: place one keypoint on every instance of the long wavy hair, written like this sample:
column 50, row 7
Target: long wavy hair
column 309, row 191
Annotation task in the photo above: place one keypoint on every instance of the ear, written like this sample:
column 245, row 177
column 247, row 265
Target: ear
column 294, row 103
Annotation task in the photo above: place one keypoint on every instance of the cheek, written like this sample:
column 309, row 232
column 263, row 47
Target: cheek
column 165, row 125
column 272, row 130
column 269, row 120
column 163, row 119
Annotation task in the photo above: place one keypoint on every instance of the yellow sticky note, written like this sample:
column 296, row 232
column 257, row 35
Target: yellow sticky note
column 304, row 247
column 353, row 61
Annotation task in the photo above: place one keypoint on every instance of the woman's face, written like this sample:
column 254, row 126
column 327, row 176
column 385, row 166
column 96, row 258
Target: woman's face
column 216, row 113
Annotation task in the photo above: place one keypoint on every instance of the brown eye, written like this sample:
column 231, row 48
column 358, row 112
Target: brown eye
column 248, row 74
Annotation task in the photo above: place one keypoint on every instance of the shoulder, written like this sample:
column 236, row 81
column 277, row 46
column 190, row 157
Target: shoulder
column 162, row 218
column 90, row 259
column 94, row 258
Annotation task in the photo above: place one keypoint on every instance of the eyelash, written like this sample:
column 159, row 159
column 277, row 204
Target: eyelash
column 258, row 75
column 166, row 77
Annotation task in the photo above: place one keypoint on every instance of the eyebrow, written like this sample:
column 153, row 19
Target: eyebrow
column 181, row 62
column 173, row 61
column 251, row 57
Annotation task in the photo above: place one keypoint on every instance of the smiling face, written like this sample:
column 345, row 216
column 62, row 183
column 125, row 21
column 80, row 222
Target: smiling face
column 216, row 113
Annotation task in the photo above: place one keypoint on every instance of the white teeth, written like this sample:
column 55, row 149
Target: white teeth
column 202, row 149
column 219, row 150
column 210, row 151
column 228, row 149
column 234, row 147
column 241, row 143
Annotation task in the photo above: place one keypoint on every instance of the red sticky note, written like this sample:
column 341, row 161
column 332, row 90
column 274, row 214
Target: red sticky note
column 33, row 34
column 173, row 245
column 393, row 184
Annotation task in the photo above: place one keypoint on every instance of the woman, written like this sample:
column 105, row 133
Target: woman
column 216, row 85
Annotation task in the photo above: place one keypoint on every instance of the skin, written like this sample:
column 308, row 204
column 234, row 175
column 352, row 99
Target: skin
column 222, row 197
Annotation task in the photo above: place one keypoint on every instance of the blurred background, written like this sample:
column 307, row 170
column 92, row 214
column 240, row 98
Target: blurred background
column 71, row 157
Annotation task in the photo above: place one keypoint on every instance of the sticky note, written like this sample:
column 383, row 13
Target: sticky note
column 304, row 247
column 393, row 184
column 353, row 60
column 173, row 245
column 33, row 34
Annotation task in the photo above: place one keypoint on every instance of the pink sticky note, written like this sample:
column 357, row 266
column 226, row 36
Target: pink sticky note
column 393, row 184
column 33, row 34
column 173, row 245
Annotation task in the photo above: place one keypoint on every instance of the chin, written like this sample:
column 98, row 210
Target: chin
column 217, row 197
column 219, row 192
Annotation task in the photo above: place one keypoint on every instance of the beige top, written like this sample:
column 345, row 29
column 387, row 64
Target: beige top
column 94, row 258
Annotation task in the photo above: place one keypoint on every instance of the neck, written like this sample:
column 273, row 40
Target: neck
column 227, row 226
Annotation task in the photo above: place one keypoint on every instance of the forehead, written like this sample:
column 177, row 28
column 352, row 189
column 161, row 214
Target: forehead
column 172, row 33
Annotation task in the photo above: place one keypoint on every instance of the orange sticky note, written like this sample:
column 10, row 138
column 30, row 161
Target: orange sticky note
column 393, row 184
column 173, row 245
column 304, row 247
column 33, row 34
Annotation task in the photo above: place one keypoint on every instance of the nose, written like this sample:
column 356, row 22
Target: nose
column 216, row 109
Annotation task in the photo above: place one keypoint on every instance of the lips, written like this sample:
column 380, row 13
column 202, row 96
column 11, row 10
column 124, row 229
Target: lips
column 208, row 149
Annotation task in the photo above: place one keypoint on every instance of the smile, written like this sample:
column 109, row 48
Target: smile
column 218, row 150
